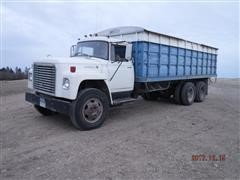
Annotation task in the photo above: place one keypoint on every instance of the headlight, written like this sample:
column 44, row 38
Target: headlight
column 66, row 83
column 30, row 76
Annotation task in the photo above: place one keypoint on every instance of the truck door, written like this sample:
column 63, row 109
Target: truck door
column 121, row 71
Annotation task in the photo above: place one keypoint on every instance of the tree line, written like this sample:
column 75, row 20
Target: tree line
column 7, row 73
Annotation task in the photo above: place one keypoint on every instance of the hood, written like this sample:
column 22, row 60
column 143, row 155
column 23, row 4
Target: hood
column 68, row 60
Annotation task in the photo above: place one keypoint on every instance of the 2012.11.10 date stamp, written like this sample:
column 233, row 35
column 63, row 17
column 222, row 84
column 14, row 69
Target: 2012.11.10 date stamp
column 210, row 157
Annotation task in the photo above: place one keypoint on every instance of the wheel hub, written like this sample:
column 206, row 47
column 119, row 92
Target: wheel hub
column 92, row 110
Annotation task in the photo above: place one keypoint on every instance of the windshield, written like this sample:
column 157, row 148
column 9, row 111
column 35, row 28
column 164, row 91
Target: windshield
column 98, row 49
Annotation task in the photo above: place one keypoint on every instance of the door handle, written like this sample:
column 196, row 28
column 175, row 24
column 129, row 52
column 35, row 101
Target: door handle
column 130, row 67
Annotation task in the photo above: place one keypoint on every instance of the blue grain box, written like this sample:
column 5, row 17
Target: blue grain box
column 158, row 62
column 160, row 57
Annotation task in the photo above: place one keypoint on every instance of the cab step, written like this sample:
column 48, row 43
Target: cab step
column 122, row 100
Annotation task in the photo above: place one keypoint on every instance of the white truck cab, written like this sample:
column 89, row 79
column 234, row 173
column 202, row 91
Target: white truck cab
column 94, row 58
column 95, row 63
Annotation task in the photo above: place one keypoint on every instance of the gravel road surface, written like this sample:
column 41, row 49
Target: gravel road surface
column 139, row 140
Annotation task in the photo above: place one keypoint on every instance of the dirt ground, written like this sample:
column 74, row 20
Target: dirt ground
column 140, row 140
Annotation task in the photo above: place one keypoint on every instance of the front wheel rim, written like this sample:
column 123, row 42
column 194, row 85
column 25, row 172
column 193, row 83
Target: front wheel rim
column 92, row 110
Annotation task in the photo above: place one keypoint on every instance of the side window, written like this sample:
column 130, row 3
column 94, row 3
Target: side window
column 118, row 52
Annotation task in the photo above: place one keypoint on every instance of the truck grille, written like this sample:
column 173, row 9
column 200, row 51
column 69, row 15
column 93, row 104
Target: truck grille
column 44, row 78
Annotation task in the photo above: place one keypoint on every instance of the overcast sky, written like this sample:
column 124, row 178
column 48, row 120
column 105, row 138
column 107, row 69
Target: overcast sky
column 33, row 30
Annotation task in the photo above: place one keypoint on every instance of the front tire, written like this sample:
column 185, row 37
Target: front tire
column 91, row 109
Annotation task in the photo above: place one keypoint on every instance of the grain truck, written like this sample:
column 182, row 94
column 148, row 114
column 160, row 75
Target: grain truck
column 116, row 66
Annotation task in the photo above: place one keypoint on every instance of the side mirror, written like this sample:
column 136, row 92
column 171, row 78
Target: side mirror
column 72, row 50
column 128, row 54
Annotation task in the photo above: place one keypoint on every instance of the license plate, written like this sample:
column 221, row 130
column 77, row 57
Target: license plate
column 42, row 102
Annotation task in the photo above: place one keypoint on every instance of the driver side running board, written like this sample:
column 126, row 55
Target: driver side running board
column 122, row 100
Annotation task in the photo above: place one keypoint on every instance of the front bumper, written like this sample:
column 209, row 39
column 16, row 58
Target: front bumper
column 48, row 102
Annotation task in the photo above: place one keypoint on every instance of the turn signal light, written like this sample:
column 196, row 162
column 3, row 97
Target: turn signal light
column 72, row 69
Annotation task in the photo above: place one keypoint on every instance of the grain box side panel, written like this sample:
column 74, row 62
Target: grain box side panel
column 160, row 62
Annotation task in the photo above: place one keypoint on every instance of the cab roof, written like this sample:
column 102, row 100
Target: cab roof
column 100, row 38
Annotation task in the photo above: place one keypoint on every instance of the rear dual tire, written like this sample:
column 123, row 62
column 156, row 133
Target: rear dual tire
column 201, row 91
column 177, row 93
column 186, row 93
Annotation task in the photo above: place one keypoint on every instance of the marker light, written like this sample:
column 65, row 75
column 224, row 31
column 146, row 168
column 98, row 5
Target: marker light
column 73, row 69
